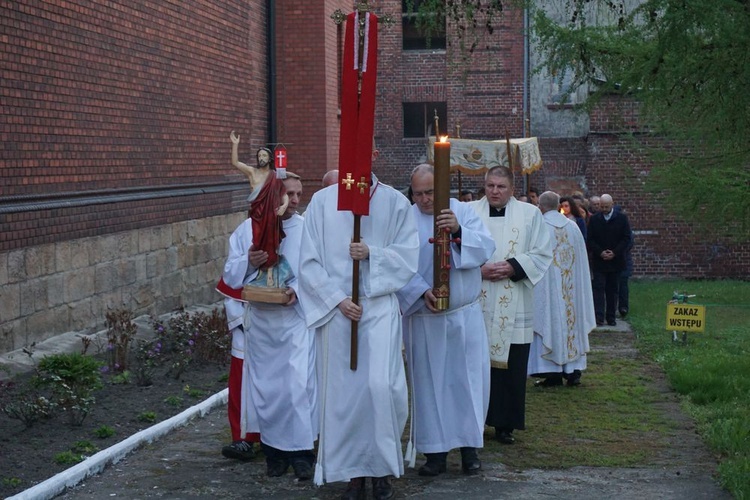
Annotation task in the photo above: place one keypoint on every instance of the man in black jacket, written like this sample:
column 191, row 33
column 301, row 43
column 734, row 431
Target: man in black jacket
column 608, row 240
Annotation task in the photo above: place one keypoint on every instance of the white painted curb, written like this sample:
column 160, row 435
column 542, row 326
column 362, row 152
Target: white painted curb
column 96, row 463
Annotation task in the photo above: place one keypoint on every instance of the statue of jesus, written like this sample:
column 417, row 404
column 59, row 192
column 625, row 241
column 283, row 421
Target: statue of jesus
column 268, row 202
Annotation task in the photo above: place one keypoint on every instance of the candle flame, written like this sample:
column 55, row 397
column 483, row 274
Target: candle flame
column 562, row 211
column 443, row 138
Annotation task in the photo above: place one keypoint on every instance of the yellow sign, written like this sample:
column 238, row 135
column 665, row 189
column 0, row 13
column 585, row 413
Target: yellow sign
column 686, row 317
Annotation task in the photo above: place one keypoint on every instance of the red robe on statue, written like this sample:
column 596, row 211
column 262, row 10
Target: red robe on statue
column 267, row 230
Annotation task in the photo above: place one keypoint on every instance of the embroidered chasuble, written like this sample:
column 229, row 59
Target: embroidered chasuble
column 564, row 303
column 507, row 304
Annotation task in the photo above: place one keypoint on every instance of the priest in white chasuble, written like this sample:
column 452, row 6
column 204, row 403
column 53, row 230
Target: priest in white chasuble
column 363, row 412
column 448, row 360
column 522, row 256
column 564, row 304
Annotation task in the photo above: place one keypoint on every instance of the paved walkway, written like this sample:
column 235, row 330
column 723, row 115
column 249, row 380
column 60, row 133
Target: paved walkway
column 186, row 464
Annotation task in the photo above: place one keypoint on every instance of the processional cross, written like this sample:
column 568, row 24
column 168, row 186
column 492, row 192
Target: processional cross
column 357, row 125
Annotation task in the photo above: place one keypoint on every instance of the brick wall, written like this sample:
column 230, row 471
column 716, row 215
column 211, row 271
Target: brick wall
column 614, row 159
column 105, row 104
column 116, row 188
column 307, row 85
column 69, row 286
column 485, row 97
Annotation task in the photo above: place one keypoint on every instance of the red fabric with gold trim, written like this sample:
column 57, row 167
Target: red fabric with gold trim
column 357, row 115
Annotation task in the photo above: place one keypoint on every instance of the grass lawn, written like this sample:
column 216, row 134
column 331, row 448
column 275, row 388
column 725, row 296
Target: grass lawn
column 623, row 413
column 711, row 370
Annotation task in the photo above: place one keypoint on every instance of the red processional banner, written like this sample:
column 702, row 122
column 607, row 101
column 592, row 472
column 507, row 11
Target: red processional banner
column 357, row 113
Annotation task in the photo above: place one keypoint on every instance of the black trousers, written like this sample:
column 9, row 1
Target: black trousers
column 277, row 454
column 507, row 409
column 605, row 288
column 623, row 292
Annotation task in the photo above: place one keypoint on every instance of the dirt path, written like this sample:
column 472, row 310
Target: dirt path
column 187, row 465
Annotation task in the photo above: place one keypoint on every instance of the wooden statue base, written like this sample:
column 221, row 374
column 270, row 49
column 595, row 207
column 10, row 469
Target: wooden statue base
column 265, row 295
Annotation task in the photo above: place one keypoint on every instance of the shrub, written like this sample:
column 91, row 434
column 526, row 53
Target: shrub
column 25, row 402
column 147, row 416
column 121, row 378
column 198, row 338
column 173, row 400
column 12, row 482
column 147, row 357
column 72, row 378
column 120, row 332
column 67, row 458
column 84, row 448
column 104, row 432
column 193, row 393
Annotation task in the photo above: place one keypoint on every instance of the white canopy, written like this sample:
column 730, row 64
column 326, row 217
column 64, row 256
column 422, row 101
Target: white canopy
column 475, row 156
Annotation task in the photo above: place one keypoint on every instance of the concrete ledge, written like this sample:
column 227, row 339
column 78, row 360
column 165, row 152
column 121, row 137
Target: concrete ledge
column 96, row 463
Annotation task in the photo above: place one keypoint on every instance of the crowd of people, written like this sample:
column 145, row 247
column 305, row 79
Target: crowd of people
column 529, row 279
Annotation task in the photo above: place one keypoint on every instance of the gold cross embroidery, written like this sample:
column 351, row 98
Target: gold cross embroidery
column 348, row 181
column 361, row 185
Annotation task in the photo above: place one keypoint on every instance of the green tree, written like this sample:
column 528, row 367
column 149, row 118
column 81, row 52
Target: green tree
column 688, row 63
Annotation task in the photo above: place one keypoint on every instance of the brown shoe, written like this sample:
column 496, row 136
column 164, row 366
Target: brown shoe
column 382, row 489
column 355, row 490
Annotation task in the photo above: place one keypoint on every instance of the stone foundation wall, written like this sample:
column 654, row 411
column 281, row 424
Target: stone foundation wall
column 50, row 289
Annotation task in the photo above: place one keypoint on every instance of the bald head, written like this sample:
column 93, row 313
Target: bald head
column 331, row 177
column 548, row 201
column 606, row 203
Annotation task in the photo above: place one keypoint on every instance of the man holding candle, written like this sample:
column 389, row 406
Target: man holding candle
column 522, row 256
column 447, row 350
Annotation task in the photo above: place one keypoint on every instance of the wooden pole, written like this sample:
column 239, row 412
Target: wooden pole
column 355, row 297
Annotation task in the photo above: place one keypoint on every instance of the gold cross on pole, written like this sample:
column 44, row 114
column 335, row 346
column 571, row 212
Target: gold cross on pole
column 362, row 184
column 348, row 181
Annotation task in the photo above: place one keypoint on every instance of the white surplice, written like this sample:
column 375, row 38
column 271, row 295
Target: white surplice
column 363, row 412
column 279, row 388
column 564, row 304
column 447, row 352
column 508, row 306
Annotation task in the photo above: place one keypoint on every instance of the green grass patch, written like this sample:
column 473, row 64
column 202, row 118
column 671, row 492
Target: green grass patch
column 710, row 369
column 609, row 421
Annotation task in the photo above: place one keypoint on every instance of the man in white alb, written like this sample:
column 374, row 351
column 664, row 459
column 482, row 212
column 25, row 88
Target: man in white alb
column 447, row 350
column 279, row 397
column 363, row 412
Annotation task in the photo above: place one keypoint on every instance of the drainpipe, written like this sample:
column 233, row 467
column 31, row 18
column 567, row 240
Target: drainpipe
column 525, row 68
column 526, row 62
column 271, row 30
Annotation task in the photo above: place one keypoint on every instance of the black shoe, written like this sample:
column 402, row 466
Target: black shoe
column 435, row 464
column 612, row 322
column 303, row 469
column 505, row 437
column 382, row 489
column 623, row 313
column 599, row 323
column 276, row 467
column 574, row 378
column 355, row 490
column 239, row 450
column 470, row 462
column 551, row 381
